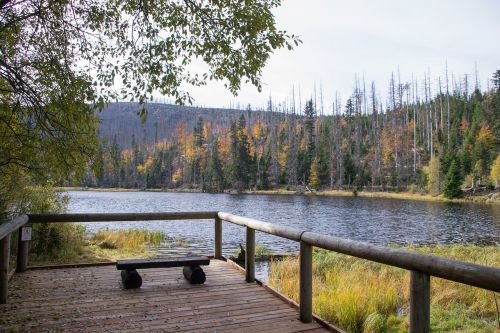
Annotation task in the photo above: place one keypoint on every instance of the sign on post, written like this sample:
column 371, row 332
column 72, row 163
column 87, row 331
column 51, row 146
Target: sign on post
column 26, row 233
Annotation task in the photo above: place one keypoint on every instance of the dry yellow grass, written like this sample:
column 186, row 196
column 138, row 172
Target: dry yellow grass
column 103, row 246
column 362, row 296
column 129, row 240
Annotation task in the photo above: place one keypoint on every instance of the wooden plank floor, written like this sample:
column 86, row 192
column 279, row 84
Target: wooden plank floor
column 90, row 299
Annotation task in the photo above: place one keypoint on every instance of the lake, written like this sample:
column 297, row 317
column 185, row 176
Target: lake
column 372, row 220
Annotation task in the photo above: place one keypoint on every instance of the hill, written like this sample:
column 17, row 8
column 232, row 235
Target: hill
column 122, row 120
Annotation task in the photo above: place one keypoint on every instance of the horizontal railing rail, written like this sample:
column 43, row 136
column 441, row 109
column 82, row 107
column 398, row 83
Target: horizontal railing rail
column 485, row 277
column 269, row 228
column 421, row 266
column 7, row 228
column 120, row 217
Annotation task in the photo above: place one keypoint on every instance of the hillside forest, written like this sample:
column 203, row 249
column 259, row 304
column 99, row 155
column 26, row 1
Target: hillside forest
column 434, row 136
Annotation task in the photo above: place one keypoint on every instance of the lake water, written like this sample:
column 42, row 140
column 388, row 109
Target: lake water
column 376, row 221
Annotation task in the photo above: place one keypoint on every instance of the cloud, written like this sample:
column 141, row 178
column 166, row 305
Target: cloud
column 342, row 39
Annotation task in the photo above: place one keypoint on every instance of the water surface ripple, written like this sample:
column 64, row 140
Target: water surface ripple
column 372, row 220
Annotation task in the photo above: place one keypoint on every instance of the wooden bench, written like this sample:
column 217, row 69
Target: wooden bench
column 192, row 270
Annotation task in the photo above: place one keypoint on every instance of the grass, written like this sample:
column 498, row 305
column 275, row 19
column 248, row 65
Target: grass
column 95, row 189
column 261, row 253
column 75, row 246
column 129, row 240
column 409, row 195
column 362, row 296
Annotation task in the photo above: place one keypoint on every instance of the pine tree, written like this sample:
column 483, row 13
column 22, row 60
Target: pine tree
column 496, row 80
column 313, row 174
column 213, row 180
column 198, row 133
column 310, row 118
column 115, row 161
column 241, row 162
column 453, row 181
column 349, row 169
column 98, row 166
column 265, row 162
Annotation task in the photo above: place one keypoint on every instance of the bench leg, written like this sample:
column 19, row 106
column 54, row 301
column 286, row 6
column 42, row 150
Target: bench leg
column 194, row 274
column 131, row 279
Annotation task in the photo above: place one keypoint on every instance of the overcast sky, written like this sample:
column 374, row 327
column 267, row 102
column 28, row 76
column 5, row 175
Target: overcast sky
column 371, row 38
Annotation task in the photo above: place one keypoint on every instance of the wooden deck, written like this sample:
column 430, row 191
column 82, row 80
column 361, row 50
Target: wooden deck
column 90, row 299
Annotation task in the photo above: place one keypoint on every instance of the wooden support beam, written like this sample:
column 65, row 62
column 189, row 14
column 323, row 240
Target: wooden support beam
column 4, row 268
column 22, row 253
column 218, row 238
column 420, row 302
column 305, row 297
column 250, row 256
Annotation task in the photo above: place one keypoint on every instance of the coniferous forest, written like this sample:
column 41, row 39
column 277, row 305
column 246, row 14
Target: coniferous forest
column 432, row 135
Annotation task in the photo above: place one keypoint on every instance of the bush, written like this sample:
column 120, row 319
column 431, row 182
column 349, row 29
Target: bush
column 50, row 241
column 56, row 241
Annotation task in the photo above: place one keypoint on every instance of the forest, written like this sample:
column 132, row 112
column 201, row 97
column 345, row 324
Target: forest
column 426, row 137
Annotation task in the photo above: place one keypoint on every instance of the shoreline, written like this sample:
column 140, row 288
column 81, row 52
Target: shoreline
column 478, row 199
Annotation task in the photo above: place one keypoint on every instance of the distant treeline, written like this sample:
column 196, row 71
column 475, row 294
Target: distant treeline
column 440, row 140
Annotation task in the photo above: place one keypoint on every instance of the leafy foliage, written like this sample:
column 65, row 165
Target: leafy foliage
column 313, row 175
column 60, row 61
column 495, row 171
column 433, row 172
column 148, row 46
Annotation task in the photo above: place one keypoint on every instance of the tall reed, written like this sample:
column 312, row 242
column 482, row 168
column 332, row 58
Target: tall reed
column 362, row 296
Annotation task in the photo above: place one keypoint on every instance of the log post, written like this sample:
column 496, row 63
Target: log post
column 218, row 239
column 420, row 302
column 131, row 279
column 22, row 253
column 305, row 297
column 250, row 256
column 4, row 268
column 194, row 274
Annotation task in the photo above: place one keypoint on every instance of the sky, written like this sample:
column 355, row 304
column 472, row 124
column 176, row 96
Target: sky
column 370, row 39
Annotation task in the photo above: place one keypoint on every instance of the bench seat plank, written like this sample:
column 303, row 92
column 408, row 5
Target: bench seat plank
column 162, row 262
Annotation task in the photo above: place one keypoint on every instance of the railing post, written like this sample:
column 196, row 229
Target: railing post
column 420, row 302
column 22, row 253
column 305, row 297
column 218, row 239
column 4, row 268
column 250, row 256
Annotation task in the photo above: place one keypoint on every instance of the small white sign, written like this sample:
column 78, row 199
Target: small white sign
column 26, row 233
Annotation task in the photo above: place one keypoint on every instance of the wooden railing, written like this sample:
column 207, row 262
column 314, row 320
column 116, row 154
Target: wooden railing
column 421, row 266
